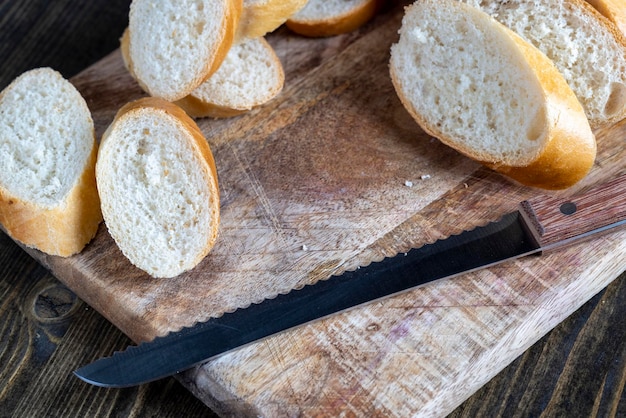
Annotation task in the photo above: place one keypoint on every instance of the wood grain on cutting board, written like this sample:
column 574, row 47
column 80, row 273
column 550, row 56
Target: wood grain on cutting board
column 316, row 182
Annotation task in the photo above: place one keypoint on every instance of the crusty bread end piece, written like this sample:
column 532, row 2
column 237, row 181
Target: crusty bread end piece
column 321, row 18
column 483, row 90
column 48, row 195
column 174, row 45
column 158, row 186
column 251, row 75
column 261, row 17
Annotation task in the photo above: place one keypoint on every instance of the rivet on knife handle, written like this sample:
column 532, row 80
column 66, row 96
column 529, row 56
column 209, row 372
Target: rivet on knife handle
column 555, row 221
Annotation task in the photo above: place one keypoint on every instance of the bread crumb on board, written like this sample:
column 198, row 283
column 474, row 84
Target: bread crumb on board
column 409, row 183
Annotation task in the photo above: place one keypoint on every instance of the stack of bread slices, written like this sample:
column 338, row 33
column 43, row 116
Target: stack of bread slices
column 152, row 178
column 235, row 69
column 518, row 85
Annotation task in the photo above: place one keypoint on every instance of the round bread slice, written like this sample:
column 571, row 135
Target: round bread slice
column 260, row 17
column 586, row 48
column 175, row 45
column 48, row 195
column 483, row 90
column 250, row 76
column 321, row 18
column 158, row 186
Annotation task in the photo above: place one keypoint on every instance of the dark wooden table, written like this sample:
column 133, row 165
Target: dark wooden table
column 578, row 369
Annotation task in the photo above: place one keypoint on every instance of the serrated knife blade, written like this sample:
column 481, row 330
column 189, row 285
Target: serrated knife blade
column 540, row 224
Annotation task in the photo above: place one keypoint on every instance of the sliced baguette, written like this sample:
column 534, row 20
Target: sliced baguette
column 250, row 76
column 261, row 17
column 48, row 195
column 158, row 186
column 585, row 47
column 321, row 18
column 483, row 90
column 614, row 10
column 175, row 45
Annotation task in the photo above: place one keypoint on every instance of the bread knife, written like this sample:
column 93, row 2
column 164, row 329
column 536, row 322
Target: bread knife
column 540, row 224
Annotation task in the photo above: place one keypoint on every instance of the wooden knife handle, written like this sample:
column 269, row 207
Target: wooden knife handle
column 557, row 221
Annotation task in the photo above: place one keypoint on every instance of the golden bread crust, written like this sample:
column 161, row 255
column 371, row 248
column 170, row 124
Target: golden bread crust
column 63, row 230
column 229, row 28
column 262, row 17
column 614, row 10
column 336, row 25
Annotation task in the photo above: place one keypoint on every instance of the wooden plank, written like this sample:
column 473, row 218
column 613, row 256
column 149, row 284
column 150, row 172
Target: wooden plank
column 324, row 167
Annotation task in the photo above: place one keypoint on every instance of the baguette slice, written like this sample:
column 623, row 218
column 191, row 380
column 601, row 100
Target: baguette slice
column 48, row 195
column 586, row 48
column 175, row 45
column 250, row 76
column 481, row 89
column 158, row 185
column 321, row 18
column 261, row 17
column 614, row 10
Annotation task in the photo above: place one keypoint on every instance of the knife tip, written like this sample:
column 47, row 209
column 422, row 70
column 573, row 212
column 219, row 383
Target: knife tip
column 86, row 375
column 82, row 375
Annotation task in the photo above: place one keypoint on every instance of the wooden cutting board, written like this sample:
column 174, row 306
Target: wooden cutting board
column 330, row 175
